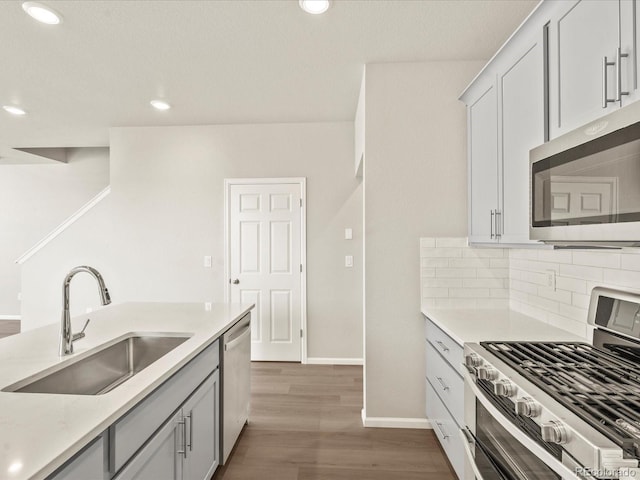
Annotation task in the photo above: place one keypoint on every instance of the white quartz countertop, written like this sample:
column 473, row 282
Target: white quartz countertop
column 39, row 432
column 479, row 325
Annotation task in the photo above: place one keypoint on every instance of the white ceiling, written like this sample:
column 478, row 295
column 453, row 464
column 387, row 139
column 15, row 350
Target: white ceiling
column 219, row 61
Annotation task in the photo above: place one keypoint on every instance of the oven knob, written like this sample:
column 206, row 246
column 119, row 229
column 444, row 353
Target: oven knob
column 527, row 407
column 473, row 360
column 487, row 372
column 504, row 388
column 553, row 432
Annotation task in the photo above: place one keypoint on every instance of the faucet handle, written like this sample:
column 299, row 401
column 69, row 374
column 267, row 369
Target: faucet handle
column 78, row 336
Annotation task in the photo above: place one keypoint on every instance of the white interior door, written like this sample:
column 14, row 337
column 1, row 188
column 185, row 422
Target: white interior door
column 265, row 237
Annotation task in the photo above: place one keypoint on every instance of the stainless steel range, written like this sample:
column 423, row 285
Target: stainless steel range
column 545, row 410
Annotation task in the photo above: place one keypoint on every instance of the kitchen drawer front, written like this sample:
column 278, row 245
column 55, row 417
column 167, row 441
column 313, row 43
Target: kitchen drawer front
column 448, row 384
column 445, row 345
column 130, row 432
column 446, row 429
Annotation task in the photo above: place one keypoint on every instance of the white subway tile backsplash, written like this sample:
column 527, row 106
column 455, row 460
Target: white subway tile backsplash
column 484, row 283
column 456, row 272
column 571, row 284
column 555, row 256
column 460, row 276
column 470, row 263
column 597, row 259
column 442, row 282
column 499, row 263
column 630, row 262
column 484, row 253
column 499, row 293
column 580, row 301
column 454, row 275
column 434, row 262
column 579, row 271
column 623, row 278
column 450, row 242
column 441, row 252
column 492, row 273
column 561, row 296
column 469, row 292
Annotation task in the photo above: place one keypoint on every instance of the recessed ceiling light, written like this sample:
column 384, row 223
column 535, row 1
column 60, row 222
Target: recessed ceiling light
column 42, row 13
column 160, row 105
column 315, row 7
column 14, row 110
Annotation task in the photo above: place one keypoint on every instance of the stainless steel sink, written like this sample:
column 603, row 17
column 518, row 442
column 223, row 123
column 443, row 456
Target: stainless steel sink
column 104, row 370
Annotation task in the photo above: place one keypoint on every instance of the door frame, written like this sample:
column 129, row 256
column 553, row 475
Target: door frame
column 302, row 182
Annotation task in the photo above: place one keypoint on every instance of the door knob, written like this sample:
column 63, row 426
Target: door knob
column 235, row 282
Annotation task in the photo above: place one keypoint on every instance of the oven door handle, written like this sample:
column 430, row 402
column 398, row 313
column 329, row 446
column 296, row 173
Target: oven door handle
column 552, row 462
column 469, row 454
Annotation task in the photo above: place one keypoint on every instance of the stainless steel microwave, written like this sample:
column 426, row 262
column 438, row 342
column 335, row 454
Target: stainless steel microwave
column 585, row 185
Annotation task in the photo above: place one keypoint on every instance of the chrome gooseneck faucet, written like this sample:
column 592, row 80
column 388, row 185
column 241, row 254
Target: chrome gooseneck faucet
column 66, row 337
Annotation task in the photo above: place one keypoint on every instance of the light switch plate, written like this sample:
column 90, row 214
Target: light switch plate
column 348, row 261
column 207, row 261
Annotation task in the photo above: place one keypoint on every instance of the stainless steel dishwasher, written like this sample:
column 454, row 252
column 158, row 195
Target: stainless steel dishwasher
column 236, row 382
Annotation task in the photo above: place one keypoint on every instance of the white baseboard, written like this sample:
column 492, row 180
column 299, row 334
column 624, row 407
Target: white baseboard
column 334, row 361
column 9, row 317
column 393, row 422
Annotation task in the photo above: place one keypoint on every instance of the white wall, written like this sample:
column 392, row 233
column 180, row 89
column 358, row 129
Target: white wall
column 35, row 199
column 415, row 186
column 165, row 212
column 577, row 272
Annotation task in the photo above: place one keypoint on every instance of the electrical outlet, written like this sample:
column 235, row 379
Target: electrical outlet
column 551, row 279
column 207, row 261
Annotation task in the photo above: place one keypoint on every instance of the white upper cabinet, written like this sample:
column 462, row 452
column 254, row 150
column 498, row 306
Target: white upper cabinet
column 521, row 107
column 592, row 61
column 482, row 116
column 505, row 114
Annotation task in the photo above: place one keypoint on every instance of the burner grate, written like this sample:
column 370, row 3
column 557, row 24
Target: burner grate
column 601, row 388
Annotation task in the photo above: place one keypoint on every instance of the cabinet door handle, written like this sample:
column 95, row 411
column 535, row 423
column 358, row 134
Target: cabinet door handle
column 605, row 64
column 183, row 423
column 619, row 57
column 442, row 346
column 190, row 417
column 498, row 223
column 442, row 384
column 442, row 432
column 492, row 222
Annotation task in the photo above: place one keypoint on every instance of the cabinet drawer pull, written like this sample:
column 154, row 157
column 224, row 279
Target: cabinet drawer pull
column 605, row 99
column 442, row 384
column 442, row 432
column 442, row 346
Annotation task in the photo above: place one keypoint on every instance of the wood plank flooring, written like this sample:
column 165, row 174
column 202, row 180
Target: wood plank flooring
column 9, row 327
column 305, row 424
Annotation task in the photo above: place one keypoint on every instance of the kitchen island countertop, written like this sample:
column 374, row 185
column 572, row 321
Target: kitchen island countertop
column 479, row 325
column 39, row 432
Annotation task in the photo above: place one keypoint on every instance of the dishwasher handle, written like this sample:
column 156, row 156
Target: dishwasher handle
column 230, row 345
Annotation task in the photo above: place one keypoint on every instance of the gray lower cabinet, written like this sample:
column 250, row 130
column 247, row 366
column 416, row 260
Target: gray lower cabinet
column 202, row 446
column 186, row 446
column 89, row 464
column 172, row 434
column 445, row 393
column 158, row 459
